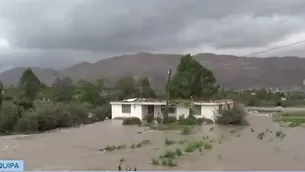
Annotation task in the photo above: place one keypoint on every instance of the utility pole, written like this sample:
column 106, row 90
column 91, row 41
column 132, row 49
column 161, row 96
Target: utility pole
column 167, row 95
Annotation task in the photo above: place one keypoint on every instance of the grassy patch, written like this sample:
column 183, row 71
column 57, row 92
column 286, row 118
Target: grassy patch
column 111, row 148
column 261, row 135
column 280, row 134
column 155, row 161
column 207, row 146
column 132, row 121
column 293, row 119
column 169, row 142
column 186, row 130
column 169, row 158
column 182, row 141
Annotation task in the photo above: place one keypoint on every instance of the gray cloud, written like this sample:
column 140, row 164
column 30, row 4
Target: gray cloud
column 58, row 33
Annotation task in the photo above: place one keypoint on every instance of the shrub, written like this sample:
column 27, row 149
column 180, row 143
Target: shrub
column 102, row 112
column 26, row 104
column 78, row 114
column 132, row 121
column 233, row 116
column 169, row 120
column 159, row 119
column 27, row 124
column 149, row 119
column 169, row 142
column 190, row 120
column 9, row 117
column 59, row 116
column 186, row 130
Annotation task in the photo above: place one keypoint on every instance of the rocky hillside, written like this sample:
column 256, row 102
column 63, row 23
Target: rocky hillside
column 231, row 71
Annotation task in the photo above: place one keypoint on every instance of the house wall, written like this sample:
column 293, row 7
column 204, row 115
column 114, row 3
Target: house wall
column 116, row 111
column 157, row 110
column 182, row 111
column 207, row 111
column 140, row 111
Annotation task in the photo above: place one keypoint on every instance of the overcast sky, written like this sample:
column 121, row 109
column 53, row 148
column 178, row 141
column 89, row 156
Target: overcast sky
column 59, row 33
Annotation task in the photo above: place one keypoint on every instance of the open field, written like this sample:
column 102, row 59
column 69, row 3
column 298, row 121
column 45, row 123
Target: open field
column 276, row 109
column 233, row 148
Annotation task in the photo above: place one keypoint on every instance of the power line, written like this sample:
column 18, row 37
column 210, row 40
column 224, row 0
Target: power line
column 275, row 48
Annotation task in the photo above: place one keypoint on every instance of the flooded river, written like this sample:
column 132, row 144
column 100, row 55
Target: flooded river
column 233, row 149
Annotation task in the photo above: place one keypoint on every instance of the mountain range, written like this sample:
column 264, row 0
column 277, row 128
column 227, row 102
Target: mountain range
column 230, row 71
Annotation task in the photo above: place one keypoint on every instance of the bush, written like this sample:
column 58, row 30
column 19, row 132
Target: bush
column 26, row 104
column 59, row 116
column 132, row 121
column 149, row 119
column 27, row 124
column 46, row 116
column 234, row 116
column 102, row 112
column 169, row 120
column 9, row 117
column 186, row 130
column 190, row 120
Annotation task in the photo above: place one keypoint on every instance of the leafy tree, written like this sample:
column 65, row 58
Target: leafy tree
column 126, row 88
column 145, row 89
column 192, row 80
column 63, row 89
column 29, row 84
column 1, row 94
column 89, row 92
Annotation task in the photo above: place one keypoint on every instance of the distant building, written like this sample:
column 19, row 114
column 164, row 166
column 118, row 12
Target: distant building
column 141, row 108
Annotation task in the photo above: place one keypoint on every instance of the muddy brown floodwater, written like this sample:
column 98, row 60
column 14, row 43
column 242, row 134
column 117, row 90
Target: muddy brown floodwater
column 239, row 149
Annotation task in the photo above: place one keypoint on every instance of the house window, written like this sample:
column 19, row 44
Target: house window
column 196, row 110
column 126, row 108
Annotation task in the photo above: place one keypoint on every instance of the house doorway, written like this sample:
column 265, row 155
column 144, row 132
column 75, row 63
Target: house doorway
column 150, row 113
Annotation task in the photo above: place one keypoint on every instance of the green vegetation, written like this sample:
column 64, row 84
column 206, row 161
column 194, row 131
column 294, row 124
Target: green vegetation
column 261, row 135
column 169, row 142
column 132, row 121
column 292, row 119
column 186, row 130
column 111, row 148
column 280, row 134
column 32, row 106
column 232, row 116
column 192, row 80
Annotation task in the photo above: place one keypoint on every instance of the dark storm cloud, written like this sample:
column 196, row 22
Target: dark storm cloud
column 95, row 28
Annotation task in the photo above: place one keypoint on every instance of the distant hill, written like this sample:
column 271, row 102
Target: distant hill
column 230, row 71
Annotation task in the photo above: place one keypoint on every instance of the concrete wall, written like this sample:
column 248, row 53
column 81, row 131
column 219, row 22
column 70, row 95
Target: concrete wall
column 116, row 111
column 207, row 111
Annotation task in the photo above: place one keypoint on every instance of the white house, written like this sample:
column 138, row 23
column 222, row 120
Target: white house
column 141, row 107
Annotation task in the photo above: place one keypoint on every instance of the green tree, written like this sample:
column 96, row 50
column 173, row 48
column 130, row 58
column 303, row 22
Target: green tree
column 192, row 80
column 63, row 89
column 1, row 94
column 126, row 87
column 89, row 92
column 29, row 84
column 145, row 88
